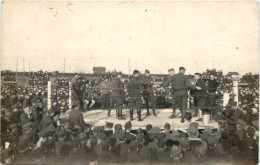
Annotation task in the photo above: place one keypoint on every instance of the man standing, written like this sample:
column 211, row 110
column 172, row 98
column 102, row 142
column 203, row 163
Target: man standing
column 200, row 90
column 148, row 94
column 134, row 89
column 212, row 84
column 171, row 73
column 117, row 96
column 75, row 89
column 105, row 87
column 180, row 86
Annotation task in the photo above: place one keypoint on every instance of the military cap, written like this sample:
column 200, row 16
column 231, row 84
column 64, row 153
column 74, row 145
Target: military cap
column 145, row 153
column 135, row 72
column 155, row 130
column 109, row 124
column 161, row 136
column 102, row 136
column 255, row 123
column 132, row 145
column 147, row 71
column 241, row 122
column 167, row 126
column 118, row 127
column 148, row 127
column 250, row 131
column 182, row 68
column 128, row 125
column 175, row 151
column 195, row 124
column 76, row 142
column 192, row 131
column 170, row 70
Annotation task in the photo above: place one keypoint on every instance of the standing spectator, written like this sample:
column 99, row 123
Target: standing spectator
column 148, row 94
column 105, row 88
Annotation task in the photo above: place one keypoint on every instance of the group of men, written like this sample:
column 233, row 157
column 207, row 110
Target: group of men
column 140, row 87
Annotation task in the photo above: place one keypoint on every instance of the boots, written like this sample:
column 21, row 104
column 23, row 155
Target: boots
column 131, row 114
column 154, row 112
column 139, row 115
column 148, row 113
column 108, row 112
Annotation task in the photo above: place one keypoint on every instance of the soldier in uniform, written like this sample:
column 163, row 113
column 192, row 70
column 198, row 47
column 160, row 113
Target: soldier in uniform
column 134, row 89
column 180, row 86
column 117, row 96
column 148, row 93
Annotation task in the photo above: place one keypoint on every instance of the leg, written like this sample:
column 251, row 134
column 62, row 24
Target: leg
column 147, row 105
column 152, row 99
column 103, row 101
column 131, row 113
column 139, row 115
column 184, row 100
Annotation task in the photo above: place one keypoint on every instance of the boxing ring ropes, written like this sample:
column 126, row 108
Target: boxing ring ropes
column 234, row 89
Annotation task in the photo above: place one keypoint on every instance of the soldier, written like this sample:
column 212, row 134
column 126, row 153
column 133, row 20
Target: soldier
column 148, row 93
column 134, row 89
column 117, row 96
column 104, row 87
column 199, row 91
column 75, row 89
column 76, row 118
column 180, row 84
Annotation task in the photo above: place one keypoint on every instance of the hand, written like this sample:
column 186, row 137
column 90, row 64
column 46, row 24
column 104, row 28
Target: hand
column 199, row 88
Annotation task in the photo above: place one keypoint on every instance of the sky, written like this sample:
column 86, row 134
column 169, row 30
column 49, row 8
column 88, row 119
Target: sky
column 130, row 35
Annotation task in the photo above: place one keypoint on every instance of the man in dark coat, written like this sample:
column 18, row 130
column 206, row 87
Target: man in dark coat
column 76, row 118
column 134, row 89
column 180, row 86
column 148, row 93
column 199, row 92
column 117, row 96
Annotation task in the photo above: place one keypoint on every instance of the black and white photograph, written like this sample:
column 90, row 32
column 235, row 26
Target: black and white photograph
column 130, row 82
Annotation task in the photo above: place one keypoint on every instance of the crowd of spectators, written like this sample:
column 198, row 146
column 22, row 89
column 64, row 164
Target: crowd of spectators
column 29, row 131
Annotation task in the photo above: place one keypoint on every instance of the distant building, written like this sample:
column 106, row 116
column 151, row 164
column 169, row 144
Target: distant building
column 99, row 70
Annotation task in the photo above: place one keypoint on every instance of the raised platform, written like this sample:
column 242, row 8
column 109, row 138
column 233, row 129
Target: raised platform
column 99, row 118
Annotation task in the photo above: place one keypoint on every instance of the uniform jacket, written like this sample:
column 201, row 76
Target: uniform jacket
column 200, row 83
column 147, row 82
column 117, row 88
column 45, row 122
column 76, row 117
column 134, row 87
column 180, row 84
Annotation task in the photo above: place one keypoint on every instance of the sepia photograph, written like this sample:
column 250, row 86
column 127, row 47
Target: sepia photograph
column 130, row 82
